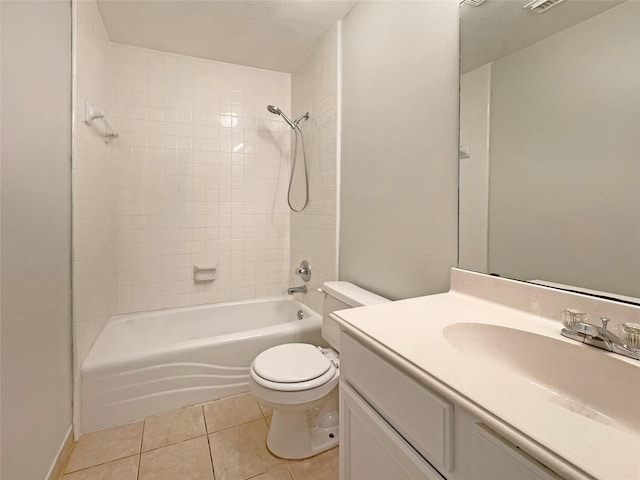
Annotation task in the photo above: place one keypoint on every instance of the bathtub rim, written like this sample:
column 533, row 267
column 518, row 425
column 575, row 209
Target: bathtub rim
column 192, row 308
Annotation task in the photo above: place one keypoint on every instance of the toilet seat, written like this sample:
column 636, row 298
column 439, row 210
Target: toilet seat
column 292, row 367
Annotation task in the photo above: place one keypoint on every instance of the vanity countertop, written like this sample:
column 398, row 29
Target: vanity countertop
column 415, row 333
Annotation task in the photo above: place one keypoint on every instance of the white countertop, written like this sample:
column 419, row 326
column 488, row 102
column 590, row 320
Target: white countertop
column 413, row 330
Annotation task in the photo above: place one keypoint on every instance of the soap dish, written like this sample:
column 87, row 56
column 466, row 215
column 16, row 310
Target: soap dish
column 630, row 334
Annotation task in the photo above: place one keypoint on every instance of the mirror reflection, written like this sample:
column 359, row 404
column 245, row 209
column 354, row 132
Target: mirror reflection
column 550, row 143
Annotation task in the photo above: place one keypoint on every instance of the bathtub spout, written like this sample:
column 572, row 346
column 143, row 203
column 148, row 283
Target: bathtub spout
column 292, row 290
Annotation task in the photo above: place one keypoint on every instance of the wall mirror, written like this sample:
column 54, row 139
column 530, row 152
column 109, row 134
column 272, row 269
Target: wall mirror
column 550, row 143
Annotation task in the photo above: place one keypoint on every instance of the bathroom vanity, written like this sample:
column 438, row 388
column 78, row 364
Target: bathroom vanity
column 462, row 387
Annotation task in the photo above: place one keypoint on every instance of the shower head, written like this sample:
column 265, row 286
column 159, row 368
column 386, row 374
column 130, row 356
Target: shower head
column 277, row 111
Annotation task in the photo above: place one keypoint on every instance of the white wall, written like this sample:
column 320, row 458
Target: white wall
column 475, row 95
column 36, row 236
column 200, row 177
column 565, row 175
column 398, row 202
column 314, row 89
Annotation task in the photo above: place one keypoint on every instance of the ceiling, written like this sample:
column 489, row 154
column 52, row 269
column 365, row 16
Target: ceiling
column 272, row 34
column 497, row 27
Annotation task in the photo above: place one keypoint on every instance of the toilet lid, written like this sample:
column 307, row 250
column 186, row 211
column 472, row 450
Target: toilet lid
column 291, row 363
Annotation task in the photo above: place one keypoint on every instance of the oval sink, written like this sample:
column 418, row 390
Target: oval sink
column 578, row 377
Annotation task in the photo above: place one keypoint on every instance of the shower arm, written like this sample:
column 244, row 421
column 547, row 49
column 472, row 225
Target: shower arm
column 304, row 117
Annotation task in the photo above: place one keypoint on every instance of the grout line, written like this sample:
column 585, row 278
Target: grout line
column 206, row 427
column 173, row 443
column 99, row 464
column 144, row 423
column 237, row 425
column 213, row 470
column 254, row 475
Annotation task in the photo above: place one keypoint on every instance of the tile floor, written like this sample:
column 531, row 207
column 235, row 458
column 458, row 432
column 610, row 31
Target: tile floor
column 221, row 440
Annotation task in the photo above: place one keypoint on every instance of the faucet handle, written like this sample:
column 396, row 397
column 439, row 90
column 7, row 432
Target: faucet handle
column 605, row 322
column 304, row 270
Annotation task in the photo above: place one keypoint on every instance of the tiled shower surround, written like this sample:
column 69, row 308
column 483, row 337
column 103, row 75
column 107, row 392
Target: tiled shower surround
column 200, row 174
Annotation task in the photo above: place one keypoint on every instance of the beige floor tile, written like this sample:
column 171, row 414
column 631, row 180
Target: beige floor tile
column 123, row 469
column 231, row 411
column 266, row 410
column 105, row 445
column 241, row 451
column 188, row 460
column 320, row 467
column 173, row 427
column 278, row 473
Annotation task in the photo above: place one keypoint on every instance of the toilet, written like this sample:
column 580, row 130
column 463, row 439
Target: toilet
column 300, row 381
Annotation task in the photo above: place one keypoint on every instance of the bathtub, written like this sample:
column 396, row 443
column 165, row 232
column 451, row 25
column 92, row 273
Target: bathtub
column 148, row 363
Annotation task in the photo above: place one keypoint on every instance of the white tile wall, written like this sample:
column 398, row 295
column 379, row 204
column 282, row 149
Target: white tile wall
column 314, row 231
column 475, row 89
column 200, row 177
column 91, row 180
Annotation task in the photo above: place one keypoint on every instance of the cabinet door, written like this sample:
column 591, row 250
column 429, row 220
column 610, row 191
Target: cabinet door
column 496, row 459
column 419, row 415
column 370, row 449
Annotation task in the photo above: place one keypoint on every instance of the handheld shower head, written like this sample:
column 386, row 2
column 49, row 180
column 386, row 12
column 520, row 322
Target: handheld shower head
column 296, row 130
column 277, row 111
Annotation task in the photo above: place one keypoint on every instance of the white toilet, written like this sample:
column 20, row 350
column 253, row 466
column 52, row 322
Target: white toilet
column 300, row 381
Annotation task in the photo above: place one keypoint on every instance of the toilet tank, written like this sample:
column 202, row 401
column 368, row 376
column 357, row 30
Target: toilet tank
column 339, row 296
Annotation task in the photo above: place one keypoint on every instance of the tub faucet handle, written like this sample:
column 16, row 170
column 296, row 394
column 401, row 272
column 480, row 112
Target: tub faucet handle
column 304, row 270
column 605, row 322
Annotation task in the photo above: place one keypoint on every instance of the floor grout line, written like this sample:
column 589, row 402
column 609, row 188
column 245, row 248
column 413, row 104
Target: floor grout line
column 100, row 464
column 144, row 424
column 206, row 429
column 174, row 443
column 213, row 470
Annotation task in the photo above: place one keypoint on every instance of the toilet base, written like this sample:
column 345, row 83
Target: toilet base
column 290, row 436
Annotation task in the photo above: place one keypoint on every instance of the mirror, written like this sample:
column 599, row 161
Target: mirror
column 550, row 143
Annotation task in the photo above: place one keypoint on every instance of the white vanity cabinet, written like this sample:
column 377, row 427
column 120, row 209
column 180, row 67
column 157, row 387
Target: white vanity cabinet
column 393, row 427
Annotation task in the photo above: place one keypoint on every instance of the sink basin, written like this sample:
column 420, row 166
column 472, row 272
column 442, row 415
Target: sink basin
column 577, row 377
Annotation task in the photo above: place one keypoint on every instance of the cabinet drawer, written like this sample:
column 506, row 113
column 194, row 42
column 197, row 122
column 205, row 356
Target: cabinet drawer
column 423, row 418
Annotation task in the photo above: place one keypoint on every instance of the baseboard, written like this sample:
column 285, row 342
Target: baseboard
column 57, row 468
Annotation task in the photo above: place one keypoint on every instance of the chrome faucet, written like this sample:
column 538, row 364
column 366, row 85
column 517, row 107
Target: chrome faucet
column 292, row 290
column 599, row 337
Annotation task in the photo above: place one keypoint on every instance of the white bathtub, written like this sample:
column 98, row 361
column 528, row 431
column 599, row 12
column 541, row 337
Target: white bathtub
column 148, row 363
